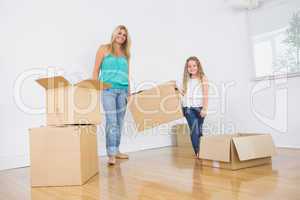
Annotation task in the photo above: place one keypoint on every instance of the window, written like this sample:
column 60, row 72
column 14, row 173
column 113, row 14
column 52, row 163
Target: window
column 273, row 55
column 277, row 53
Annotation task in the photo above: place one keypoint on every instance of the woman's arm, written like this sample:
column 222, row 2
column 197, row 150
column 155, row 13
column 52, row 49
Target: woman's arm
column 128, row 78
column 99, row 57
column 205, row 96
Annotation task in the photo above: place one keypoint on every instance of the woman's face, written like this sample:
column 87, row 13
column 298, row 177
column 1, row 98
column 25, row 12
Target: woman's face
column 192, row 67
column 121, row 36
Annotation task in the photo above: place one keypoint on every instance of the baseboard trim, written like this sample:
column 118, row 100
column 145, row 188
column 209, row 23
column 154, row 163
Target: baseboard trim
column 11, row 162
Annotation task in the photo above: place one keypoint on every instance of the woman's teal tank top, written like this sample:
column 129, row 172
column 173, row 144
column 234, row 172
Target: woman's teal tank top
column 114, row 70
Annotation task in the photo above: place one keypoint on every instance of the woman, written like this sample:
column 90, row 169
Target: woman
column 195, row 99
column 113, row 61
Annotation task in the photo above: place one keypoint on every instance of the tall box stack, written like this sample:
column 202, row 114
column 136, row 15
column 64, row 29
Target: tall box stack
column 64, row 152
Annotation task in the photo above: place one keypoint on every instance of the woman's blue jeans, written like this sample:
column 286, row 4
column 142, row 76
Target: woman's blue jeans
column 195, row 122
column 114, row 104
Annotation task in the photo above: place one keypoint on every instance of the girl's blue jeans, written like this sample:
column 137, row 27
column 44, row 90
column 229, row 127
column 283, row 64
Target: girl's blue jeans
column 195, row 122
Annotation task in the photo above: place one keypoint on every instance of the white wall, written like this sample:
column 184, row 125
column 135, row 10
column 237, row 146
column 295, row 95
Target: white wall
column 278, row 103
column 67, row 34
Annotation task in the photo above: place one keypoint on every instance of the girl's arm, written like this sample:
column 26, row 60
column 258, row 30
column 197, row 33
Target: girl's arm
column 179, row 87
column 205, row 96
column 99, row 57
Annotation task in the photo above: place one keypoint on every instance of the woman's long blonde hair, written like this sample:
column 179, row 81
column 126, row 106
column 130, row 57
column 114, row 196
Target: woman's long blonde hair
column 125, row 46
column 187, row 76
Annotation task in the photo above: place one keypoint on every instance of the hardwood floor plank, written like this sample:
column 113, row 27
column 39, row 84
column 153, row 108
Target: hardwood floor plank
column 167, row 174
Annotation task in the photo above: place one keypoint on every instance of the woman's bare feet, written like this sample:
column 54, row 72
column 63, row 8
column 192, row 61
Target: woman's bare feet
column 122, row 156
column 111, row 160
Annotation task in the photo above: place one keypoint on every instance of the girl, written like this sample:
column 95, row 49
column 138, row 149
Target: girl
column 195, row 99
column 113, row 61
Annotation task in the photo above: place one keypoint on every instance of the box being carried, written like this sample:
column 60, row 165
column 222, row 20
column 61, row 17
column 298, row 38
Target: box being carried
column 72, row 103
column 62, row 156
column 155, row 106
column 236, row 151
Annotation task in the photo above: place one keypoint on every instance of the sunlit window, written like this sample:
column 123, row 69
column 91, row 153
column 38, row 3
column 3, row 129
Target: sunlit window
column 277, row 52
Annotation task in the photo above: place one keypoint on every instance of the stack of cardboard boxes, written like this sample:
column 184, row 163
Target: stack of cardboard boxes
column 64, row 152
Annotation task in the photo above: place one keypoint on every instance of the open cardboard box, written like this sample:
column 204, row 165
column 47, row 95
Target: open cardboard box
column 72, row 103
column 63, row 155
column 155, row 106
column 236, row 151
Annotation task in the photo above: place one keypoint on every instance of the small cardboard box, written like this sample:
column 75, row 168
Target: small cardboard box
column 236, row 151
column 62, row 156
column 155, row 106
column 183, row 139
column 72, row 103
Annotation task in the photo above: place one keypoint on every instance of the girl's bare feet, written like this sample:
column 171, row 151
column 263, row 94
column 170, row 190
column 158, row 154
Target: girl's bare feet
column 111, row 160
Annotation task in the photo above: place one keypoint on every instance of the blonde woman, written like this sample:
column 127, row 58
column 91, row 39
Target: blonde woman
column 194, row 89
column 112, row 60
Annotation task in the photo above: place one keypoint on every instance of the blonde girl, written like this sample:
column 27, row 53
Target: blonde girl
column 194, row 90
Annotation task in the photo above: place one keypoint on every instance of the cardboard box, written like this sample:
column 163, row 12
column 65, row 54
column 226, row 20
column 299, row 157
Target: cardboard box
column 155, row 106
column 183, row 138
column 62, row 156
column 236, row 151
column 72, row 103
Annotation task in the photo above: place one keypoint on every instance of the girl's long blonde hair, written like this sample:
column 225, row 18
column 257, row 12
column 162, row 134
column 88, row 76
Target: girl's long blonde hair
column 125, row 46
column 187, row 76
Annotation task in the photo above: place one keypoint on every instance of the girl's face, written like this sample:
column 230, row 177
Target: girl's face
column 192, row 67
column 121, row 36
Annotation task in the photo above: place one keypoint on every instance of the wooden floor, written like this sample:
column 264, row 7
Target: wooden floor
column 168, row 173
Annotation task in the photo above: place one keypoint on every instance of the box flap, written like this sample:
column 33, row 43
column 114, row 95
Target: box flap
column 93, row 84
column 53, row 82
column 255, row 146
column 157, row 90
column 215, row 147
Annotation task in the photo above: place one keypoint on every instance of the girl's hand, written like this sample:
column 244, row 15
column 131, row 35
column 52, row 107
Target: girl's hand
column 203, row 113
column 180, row 91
